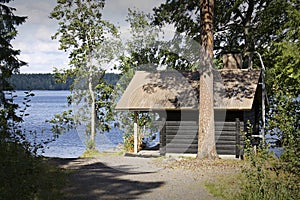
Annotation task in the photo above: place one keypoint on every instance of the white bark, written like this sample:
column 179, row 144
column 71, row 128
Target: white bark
column 93, row 109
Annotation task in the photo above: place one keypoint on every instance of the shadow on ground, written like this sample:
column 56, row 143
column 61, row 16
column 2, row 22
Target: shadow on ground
column 99, row 181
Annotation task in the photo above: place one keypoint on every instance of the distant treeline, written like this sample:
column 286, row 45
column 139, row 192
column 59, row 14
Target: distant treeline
column 47, row 81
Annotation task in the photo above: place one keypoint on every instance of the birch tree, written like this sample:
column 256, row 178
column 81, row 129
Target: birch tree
column 89, row 41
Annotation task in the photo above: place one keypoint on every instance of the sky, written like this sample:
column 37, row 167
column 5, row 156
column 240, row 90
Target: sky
column 34, row 36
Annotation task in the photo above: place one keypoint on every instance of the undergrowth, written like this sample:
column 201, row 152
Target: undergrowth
column 24, row 176
column 263, row 177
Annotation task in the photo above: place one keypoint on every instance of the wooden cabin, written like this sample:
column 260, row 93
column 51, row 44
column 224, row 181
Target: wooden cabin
column 174, row 95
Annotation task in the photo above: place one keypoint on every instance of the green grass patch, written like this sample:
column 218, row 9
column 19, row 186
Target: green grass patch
column 260, row 179
column 95, row 153
column 225, row 187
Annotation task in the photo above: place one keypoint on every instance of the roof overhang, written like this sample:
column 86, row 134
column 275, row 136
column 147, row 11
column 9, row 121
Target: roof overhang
column 234, row 89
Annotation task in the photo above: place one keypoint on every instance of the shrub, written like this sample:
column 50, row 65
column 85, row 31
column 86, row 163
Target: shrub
column 24, row 176
column 266, row 178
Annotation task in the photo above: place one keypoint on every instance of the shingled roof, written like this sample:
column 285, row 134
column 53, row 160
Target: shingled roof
column 234, row 89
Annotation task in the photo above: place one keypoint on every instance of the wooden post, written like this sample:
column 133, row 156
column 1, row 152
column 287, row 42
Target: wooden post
column 238, row 139
column 135, row 133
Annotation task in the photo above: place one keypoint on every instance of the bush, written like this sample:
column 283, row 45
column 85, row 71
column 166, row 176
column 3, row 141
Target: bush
column 129, row 142
column 24, row 176
column 266, row 178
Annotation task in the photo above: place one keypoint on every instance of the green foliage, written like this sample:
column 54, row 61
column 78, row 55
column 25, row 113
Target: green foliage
column 266, row 177
column 22, row 174
column 62, row 122
column 25, row 176
column 91, row 42
column 269, row 177
column 9, row 62
column 75, row 16
column 283, row 77
column 127, row 123
column 148, row 52
column 263, row 176
column 104, row 106
column 284, row 115
column 283, row 71
column 239, row 26
column 284, row 124
column 129, row 142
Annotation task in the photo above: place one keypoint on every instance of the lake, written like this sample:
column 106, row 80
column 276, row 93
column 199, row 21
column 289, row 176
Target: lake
column 43, row 106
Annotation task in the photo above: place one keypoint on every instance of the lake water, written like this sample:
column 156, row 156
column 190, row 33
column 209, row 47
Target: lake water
column 43, row 106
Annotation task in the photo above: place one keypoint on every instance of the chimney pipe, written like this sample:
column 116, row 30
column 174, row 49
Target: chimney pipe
column 232, row 61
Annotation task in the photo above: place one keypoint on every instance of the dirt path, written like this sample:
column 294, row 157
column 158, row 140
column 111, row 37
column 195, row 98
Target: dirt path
column 125, row 177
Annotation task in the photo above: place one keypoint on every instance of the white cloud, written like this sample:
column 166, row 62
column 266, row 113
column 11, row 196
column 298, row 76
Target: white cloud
column 44, row 33
column 44, row 47
column 34, row 39
column 37, row 11
column 121, row 6
column 43, row 63
column 116, row 10
column 22, row 46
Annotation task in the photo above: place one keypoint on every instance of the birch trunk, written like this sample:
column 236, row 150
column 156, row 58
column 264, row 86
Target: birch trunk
column 93, row 112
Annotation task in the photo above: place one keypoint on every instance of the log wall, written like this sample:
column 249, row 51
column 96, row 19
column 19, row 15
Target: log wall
column 182, row 137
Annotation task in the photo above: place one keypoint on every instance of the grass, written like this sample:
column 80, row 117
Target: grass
column 225, row 187
column 257, row 182
column 95, row 153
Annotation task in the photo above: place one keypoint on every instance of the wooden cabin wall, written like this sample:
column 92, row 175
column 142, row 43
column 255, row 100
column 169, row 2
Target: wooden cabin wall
column 182, row 115
column 180, row 133
column 230, row 115
column 181, row 137
column 253, row 116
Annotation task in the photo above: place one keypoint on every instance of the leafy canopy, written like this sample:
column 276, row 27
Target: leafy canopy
column 239, row 26
column 91, row 42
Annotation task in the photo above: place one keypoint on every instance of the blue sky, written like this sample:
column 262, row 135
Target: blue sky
column 34, row 38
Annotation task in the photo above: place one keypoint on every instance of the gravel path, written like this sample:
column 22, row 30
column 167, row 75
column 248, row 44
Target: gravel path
column 127, row 177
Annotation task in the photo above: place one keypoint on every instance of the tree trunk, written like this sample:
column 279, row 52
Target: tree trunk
column 249, row 44
column 206, row 138
column 93, row 113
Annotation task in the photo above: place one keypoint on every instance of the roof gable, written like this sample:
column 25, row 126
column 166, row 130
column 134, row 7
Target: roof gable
column 173, row 90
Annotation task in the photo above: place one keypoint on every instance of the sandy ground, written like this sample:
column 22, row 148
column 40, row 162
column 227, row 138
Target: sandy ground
column 129, row 177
